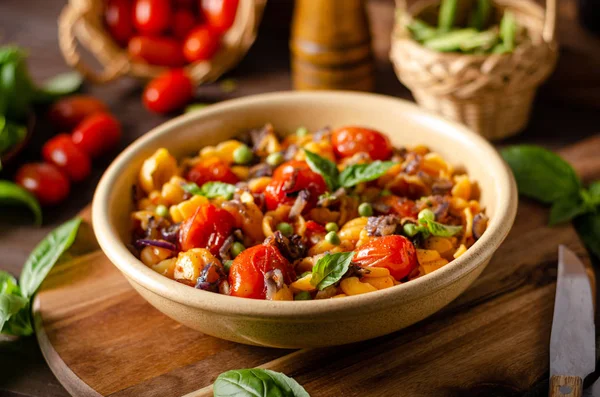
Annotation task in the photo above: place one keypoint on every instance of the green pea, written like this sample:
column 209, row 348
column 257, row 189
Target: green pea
column 303, row 296
column 302, row 131
column 410, row 229
column 385, row 192
column 333, row 238
column 237, row 248
column 285, row 228
column 227, row 265
column 332, row 227
column 242, row 155
column 365, row 209
column 426, row 215
column 274, row 159
column 162, row 211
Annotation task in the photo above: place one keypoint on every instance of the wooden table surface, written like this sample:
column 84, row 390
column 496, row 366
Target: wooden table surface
column 566, row 110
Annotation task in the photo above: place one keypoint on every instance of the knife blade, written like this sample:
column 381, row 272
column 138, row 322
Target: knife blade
column 572, row 341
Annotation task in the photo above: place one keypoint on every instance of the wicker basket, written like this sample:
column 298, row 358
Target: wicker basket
column 82, row 21
column 491, row 94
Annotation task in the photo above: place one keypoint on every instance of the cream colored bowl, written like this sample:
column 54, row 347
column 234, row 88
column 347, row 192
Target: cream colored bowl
column 293, row 324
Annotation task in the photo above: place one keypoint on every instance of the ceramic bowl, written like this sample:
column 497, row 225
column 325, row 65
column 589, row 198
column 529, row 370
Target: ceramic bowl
column 295, row 324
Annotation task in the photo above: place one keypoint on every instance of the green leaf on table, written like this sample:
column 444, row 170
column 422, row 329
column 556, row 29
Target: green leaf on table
column 358, row 173
column 447, row 15
column 440, row 230
column 45, row 255
column 211, row 189
column 11, row 134
column 256, row 382
column 594, row 192
column 16, row 88
column 541, row 174
column 325, row 167
column 19, row 324
column 13, row 194
column 588, row 228
column 567, row 208
column 330, row 269
column 58, row 86
column 10, row 305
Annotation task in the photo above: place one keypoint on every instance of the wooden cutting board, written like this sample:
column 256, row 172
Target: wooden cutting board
column 101, row 338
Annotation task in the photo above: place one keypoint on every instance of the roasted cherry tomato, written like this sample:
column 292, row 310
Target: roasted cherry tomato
column 211, row 170
column 117, row 16
column 208, row 228
column 44, row 181
column 395, row 253
column 183, row 22
column 219, row 14
column 62, row 152
column 247, row 272
column 168, row 92
column 97, row 134
column 152, row 17
column 400, row 206
column 347, row 141
column 66, row 113
column 201, row 44
column 162, row 51
column 289, row 179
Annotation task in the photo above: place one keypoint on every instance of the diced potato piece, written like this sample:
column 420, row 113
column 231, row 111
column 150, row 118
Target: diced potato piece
column 190, row 263
column 186, row 209
column 339, row 296
column 284, row 294
column 428, row 267
column 376, row 272
column 258, row 185
column 150, row 256
column 434, row 164
column 462, row 187
column 442, row 245
column 157, row 170
column 241, row 171
column 379, row 282
column 303, row 284
column 353, row 286
column 172, row 192
column 461, row 250
column 424, row 256
column 166, row 267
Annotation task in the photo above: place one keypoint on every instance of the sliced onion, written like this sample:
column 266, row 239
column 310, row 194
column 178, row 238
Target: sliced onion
column 156, row 243
column 299, row 204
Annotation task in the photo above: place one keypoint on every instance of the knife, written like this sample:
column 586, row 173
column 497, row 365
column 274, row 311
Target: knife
column 572, row 341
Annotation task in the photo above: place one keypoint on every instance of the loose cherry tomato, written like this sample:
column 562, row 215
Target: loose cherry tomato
column 169, row 91
column 220, row 14
column 44, row 181
column 152, row 17
column 247, row 272
column 62, row 152
column 117, row 16
column 290, row 178
column 162, row 51
column 395, row 253
column 97, row 134
column 208, row 228
column 211, row 170
column 183, row 22
column 201, row 44
column 347, row 141
column 66, row 113
column 401, row 206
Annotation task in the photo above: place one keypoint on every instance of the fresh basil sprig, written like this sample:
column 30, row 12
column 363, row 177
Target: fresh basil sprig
column 330, row 269
column 256, row 382
column 440, row 230
column 210, row 189
column 13, row 194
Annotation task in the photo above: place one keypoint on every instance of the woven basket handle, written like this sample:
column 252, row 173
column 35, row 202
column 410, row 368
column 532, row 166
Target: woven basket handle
column 67, row 22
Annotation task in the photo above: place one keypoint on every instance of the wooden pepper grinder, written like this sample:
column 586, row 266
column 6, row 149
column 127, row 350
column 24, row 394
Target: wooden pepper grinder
column 331, row 46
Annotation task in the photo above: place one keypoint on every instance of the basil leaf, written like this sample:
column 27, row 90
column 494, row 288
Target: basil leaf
column 211, row 189
column 357, row 173
column 330, row 268
column 10, row 305
column 11, row 134
column 440, row 230
column 325, row 167
column 45, row 255
column 588, row 227
column 58, row 86
column 594, row 192
column 17, row 88
column 11, row 193
column 541, row 174
column 567, row 208
column 256, row 382
column 19, row 324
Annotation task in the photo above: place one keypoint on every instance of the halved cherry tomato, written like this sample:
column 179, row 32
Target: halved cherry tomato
column 46, row 182
column 117, row 16
column 162, row 51
column 347, row 141
column 168, row 92
column 183, row 22
column 290, row 178
column 208, row 228
column 97, row 134
column 220, row 14
column 211, row 170
column 62, row 152
column 152, row 17
column 201, row 44
column 400, row 206
column 66, row 113
column 395, row 253
column 247, row 272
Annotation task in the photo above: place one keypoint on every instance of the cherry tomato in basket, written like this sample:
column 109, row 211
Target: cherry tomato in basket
column 247, row 272
column 207, row 228
column 66, row 113
column 220, row 14
column 152, row 17
column 97, row 134
column 45, row 181
column 183, row 22
column 347, row 141
column 201, row 44
column 72, row 161
column 211, row 170
column 168, row 92
column 395, row 253
column 162, row 51
column 118, row 20
column 289, row 179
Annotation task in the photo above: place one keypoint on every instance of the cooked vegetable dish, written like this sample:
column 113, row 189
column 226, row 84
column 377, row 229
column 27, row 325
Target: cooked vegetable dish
column 322, row 214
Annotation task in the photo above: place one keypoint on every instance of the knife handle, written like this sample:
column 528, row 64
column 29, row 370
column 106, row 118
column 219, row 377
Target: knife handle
column 566, row 386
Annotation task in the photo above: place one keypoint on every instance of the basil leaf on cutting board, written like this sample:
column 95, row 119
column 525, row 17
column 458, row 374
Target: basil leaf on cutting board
column 325, row 167
column 588, row 228
column 10, row 305
column 210, row 189
column 330, row 269
column 13, row 194
column 256, row 382
column 567, row 208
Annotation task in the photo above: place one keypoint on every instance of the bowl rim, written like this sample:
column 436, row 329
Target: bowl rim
column 138, row 273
